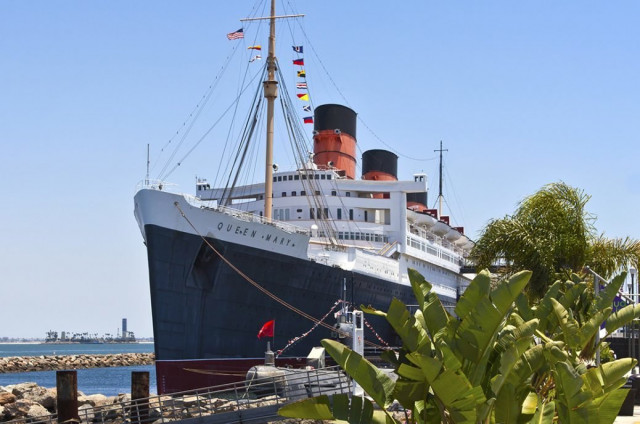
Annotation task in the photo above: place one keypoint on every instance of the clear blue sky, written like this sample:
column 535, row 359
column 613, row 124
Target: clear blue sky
column 521, row 93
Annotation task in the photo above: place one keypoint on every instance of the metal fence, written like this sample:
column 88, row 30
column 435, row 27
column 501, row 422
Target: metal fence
column 250, row 401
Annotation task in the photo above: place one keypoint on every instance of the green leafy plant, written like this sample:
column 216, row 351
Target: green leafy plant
column 495, row 360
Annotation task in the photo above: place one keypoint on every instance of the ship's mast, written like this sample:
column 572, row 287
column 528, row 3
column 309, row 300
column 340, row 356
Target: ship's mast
column 440, row 197
column 270, row 93
column 270, row 88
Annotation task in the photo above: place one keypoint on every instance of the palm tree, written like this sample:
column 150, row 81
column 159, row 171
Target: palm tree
column 551, row 233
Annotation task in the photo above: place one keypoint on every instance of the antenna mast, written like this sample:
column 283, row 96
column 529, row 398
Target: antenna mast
column 146, row 181
column 440, row 197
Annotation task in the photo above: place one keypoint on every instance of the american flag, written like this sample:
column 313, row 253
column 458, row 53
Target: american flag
column 236, row 35
column 302, row 85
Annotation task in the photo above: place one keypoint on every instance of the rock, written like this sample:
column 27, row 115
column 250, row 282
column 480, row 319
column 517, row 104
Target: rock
column 43, row 396
column 20, row 389
column 123, row 397
column 107, row 412
column 7, row 397
column 18, row 409
column 190, row 401
column 93, row 400
column 86, row 414
column 37, row 410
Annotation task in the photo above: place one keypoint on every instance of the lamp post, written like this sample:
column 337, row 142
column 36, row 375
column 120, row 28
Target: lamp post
column 634, row 353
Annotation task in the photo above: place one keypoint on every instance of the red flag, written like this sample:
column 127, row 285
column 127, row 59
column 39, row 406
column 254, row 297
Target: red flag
column 267, row 329
column 299, row 62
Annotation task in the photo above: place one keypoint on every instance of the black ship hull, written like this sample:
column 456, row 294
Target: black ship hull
column 206, row 315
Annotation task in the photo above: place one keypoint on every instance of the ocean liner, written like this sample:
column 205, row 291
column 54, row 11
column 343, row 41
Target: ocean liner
column 295, row 248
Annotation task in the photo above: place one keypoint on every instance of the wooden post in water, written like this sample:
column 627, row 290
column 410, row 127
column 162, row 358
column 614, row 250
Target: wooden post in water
column 139, row 396
column 67, row 396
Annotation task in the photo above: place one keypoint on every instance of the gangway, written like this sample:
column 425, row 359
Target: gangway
column 253, row 402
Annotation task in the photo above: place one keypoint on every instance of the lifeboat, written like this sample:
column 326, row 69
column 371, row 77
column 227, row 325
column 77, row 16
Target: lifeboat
column 453, row 235
column 440, row 228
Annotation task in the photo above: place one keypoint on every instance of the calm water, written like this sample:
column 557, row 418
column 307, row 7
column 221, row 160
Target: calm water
column 107, row 381
column 36, row 349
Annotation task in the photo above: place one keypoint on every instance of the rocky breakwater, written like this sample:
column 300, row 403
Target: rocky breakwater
column 29, row 402
column 72, row 362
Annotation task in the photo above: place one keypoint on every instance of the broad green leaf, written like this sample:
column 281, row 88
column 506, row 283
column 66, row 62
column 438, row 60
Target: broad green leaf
column 506, row 293
column 529, row 363
column 591, row 327
column 436, row 317
column 355, row 412
column 544, row 414
column 479, row 288
column 569, row 326
column 317, row 408
column 573, row 403
column 622, row 317
column 609, row 405
column 606, row 296
column 530, row 404
column 373, row 381
column 372, row 311
column 612, row 372
column 525, row 311
column 420, row 286
column 572, row 295
column 411, row 373
column 404, row 324
column 507, row 408
column 544, row 309
column 358, row 411
column 409, row 392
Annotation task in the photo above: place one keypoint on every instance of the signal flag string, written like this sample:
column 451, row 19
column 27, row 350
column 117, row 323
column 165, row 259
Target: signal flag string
column 303, row 335
column 259, row 287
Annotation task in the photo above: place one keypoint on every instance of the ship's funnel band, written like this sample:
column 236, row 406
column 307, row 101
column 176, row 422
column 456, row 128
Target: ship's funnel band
column 379, row 176
column 380, row 162
column 336, row 151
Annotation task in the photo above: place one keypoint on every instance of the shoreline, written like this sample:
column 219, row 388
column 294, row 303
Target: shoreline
column 20, row 364
column 42, row 342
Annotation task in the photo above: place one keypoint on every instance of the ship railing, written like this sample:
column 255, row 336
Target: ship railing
column 227, row 403
column 436, row 239
column 156, row 185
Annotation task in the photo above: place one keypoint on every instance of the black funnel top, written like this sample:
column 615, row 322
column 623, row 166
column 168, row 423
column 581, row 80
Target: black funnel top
column 335, row 117
column 380, row 160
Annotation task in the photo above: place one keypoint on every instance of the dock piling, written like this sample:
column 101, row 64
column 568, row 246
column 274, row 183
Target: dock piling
column 139, row 396
column 67, row 396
